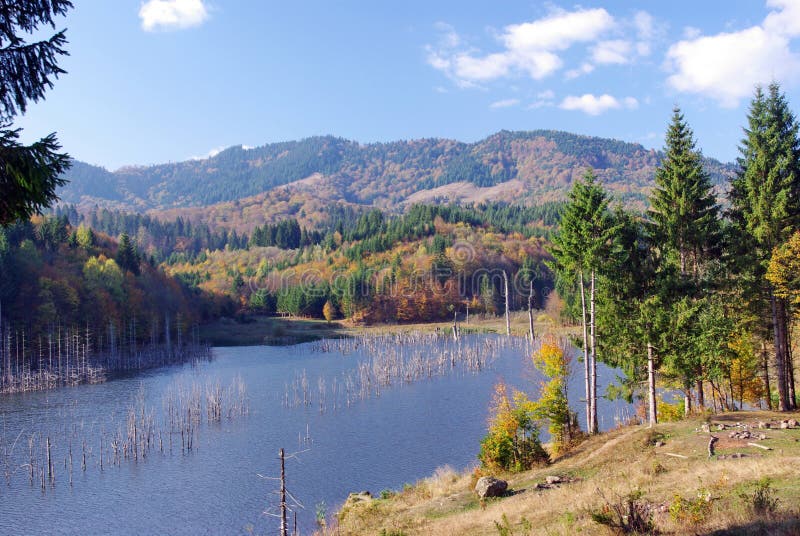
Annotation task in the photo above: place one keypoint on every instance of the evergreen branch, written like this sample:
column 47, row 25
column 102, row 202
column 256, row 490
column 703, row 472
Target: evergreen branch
column 27, row 71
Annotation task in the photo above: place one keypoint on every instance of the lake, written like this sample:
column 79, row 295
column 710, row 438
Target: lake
column 359, row 416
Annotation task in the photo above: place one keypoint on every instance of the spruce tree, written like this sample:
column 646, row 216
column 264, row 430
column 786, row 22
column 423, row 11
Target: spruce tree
column 580, row 249
column 683, row 208
column 685, row 225
column 127, row 256
column 765, row 199
column 29, row 175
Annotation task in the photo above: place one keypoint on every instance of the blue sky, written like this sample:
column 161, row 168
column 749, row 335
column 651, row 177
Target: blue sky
column 167, row 80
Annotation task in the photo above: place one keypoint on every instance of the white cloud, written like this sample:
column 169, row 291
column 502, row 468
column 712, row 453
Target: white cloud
column 506, row 103
column 481, row 69
column 172, row 14
column 690, row 32
column 529, row 48
column 726, row 66
column 585, row 68
column 616, row 51
column 558, row 31
column 645, row 26
column 543, row 98
column 212, row 153
column 630, row 103
column 594, row 105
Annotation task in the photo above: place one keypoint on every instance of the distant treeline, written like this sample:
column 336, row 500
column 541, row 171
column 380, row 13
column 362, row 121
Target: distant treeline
column 55, row 274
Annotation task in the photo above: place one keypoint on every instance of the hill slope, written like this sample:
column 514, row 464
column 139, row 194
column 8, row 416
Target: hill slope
column 528, row 167
column 667, row 468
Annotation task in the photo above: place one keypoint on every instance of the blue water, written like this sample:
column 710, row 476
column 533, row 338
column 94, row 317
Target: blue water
column 380, row 442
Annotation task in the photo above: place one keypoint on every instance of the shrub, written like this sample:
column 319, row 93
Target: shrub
column 628, row 514
column 763, row 500
column 692, row 511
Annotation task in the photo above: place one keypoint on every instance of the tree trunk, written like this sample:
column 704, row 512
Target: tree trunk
column 530, row 312
column 593, row 369
column 765, row 365
column 651, row 385
column 790, row 363
column 508, row 318
column 687, row 398
column 778, row 324
column 284, row 524
column 701, row 400
column 585, row 354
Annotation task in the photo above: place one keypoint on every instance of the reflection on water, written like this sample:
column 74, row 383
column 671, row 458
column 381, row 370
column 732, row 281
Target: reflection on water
column 366, row 416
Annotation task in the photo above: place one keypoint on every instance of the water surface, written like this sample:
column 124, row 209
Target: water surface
column 380, row 442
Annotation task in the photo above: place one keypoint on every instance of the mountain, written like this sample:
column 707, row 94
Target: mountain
column 302, row 176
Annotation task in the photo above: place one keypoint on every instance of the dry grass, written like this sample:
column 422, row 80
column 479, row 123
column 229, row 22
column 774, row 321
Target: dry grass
column 606, row 468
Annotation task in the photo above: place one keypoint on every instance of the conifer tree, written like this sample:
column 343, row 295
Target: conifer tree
column 580, row 249
column 685, row 225
column 765, row 198
column 29, row 174
column 127, row 256
column 683, row 208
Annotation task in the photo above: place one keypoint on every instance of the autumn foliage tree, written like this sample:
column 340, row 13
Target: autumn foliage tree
column 552, row 359
column 512, row 442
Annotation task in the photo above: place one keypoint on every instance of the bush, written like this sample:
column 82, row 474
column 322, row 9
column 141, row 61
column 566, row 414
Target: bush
column 692, row 511
column 626, row 515
column 763, row 500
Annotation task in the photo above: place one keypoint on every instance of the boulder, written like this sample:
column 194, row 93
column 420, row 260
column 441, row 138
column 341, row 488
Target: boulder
column 489, row 486
column 552, row 479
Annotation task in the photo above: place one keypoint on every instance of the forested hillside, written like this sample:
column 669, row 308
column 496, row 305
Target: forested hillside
column 532, row 167
column 56, row 276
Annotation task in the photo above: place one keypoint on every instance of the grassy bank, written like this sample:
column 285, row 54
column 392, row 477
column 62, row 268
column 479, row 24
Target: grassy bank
column 667, row 469
column 274, row 330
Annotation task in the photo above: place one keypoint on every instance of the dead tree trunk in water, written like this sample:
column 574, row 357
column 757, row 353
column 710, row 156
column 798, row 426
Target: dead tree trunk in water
column 530, row 312
column 508, row 319
column 284, row 524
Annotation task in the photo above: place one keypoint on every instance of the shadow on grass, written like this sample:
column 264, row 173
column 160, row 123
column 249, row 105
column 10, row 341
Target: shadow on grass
column 779, row 525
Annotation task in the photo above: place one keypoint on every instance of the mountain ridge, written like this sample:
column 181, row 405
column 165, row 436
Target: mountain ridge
column 541, row 165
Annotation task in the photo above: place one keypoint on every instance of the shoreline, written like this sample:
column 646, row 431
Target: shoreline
column 277, row 331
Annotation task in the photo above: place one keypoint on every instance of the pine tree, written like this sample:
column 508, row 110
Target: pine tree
column 127, row 256
column 580, row 249
column 29, row 175
column 685, row 225
column 765, row 198
column 683, row 209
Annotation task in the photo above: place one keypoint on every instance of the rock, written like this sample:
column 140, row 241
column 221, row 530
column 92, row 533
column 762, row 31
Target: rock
column 489, row 486
column 785, row 425
column 720, row 427
column 705, row 428
column 659, row 444
column 761, row 436
column 793, row 423
column 355, row 498
column 552, row 479
column 762, row 424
